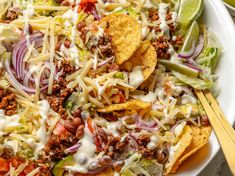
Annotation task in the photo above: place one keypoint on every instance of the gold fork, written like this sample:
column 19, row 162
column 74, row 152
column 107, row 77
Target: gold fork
column 223, row 130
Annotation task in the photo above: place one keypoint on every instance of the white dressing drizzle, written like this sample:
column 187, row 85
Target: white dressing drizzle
column 162, row 11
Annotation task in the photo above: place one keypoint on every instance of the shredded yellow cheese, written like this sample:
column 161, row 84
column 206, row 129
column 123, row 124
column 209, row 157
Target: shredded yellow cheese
column 29, row 52
column 20, row 168
column 86, row 69
column 52, row 54
column 40, row 58
column 95, row 102
column 58, row 8
column 34, row 172
column 45, row 41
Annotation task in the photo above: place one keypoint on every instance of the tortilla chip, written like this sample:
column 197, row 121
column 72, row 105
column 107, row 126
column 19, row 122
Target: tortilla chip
column 144, row 56
column 184, row 141
column 132, row 104
column 126, row 35
column 200, row 139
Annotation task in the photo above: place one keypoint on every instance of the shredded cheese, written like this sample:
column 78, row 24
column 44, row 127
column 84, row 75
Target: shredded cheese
column 29, row 52
column 20, row 168
column 57, row 8
column 34, row 172
column 86, row 69
column 95, row 102
column 45, row 41
column 51, row 79
column 40, row 58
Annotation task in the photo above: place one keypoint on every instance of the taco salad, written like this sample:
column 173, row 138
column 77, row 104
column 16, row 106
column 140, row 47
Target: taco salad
column 103, row 87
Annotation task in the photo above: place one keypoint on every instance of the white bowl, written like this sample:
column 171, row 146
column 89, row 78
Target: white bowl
column 218, row 19
column 231, row 9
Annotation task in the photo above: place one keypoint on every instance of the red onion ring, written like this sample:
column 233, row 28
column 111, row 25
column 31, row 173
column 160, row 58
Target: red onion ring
column 74, row 148
column 188, row 54
column 149, row 126
column 105, row 61
column 199, row 47
column 20, row 50
column 29, row 90
column 26, row 89
column 195, row 67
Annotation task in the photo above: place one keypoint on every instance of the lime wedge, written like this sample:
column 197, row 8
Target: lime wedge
column 191, row 37
column 189, row 11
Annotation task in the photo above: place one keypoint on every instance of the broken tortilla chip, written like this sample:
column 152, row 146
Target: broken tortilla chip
column 133, row 104
column 126, row 35
column 145, row 56
column 177, row 150
column 200, row 139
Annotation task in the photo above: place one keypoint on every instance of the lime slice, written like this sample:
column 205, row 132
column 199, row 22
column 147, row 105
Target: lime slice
column 189, row 11
column 191, row 37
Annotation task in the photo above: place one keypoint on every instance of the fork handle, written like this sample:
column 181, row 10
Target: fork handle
column 224, row 136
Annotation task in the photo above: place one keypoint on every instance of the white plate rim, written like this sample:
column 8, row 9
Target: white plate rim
column 220, row 8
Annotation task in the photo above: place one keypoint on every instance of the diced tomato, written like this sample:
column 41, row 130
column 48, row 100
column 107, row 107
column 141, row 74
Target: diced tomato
column 86, row 5
column 4, row 165
column 59, row 129
column 15, row 162
column 167, row 87
column 96, row 139
column 89, row 125
column 121, row 96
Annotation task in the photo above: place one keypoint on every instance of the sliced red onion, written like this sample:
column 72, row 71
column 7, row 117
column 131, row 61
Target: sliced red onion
column 149, row 126
column 195, row 67
column 26, row 79
column 74, row 148
column 26, row 89
column 188, row 54
column 20, row 50
column 93, row 11
column 58, row 74
column 199, row 47
column 29, row 90
column 105, row 61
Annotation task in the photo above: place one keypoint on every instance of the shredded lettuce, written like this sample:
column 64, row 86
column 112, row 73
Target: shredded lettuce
column 212, row 50
column 134, row 165
column 194, row 82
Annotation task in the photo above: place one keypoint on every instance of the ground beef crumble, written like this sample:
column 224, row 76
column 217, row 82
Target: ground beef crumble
column 60, row 92
column 73, row 125
column 102, row 44
column 58, row 143
column 162, row 44
column 11, row 14
column 8, row 102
